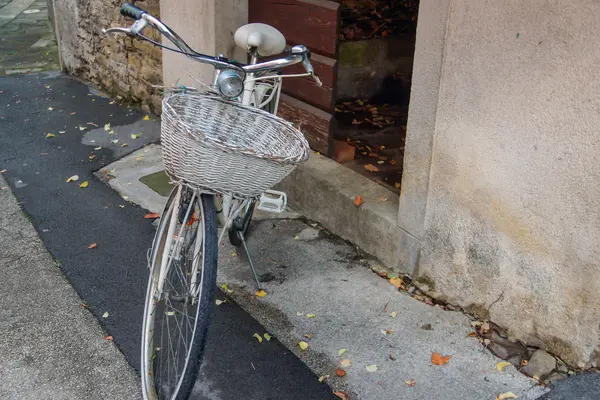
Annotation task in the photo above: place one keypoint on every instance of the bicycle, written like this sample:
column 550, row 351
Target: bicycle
column 220, row 179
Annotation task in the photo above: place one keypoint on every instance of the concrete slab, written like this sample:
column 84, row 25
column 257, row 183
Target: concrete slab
column 51, row 346
column 352, row 310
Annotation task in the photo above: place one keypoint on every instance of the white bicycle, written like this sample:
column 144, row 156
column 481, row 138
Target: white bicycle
column 225, row 148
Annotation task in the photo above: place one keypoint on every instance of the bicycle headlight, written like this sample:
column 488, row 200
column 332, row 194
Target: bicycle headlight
column 230, row 83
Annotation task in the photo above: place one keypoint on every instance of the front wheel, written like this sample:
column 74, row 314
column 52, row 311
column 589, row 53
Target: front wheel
column 179, row 295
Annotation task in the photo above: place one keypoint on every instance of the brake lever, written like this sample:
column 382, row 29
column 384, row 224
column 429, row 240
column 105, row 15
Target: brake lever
column 134, row 29
column 309, row 68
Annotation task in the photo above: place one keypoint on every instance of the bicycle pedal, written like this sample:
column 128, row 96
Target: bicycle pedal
column 272, row 201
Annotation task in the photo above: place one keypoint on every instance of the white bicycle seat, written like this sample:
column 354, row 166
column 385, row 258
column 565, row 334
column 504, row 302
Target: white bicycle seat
column 267, row 40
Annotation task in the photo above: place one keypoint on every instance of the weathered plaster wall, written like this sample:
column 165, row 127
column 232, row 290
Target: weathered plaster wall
column 511, row 201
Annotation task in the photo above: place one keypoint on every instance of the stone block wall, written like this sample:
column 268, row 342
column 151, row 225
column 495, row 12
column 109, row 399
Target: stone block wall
column 115, row 63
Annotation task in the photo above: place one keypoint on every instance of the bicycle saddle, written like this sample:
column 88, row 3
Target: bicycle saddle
column 267, row 40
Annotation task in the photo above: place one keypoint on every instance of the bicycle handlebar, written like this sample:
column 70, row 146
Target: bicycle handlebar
column 298, row 54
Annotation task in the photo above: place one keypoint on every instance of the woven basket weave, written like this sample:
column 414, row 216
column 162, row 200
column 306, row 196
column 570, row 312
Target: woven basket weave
column 220, row 146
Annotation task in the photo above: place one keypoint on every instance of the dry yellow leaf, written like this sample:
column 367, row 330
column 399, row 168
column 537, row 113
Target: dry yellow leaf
column 501, row 365
column 219, row 302
column 84, row 184
column 310, row 315
column 506, row 395
column 371, row 368
column 147, row 118
column 396, row 282
column 267, row 337
column 303, row 345
column 393, row 314
column 261, row 293
column 50, row 135
column 73, row 178
column 258, row 337
column 342, row 351
column 322, row 378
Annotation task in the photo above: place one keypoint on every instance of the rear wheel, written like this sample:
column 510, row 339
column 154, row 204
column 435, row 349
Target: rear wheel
column 179, row 295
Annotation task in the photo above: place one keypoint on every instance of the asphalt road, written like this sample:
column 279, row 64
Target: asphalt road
column 112, row 277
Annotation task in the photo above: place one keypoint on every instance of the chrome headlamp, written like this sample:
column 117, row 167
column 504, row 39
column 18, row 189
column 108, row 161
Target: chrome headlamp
column 230, row 83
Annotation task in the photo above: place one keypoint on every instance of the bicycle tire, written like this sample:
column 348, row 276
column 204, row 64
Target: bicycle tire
column 158, row 303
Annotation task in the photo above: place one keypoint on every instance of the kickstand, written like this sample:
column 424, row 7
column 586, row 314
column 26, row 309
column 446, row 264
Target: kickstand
column 241, row 236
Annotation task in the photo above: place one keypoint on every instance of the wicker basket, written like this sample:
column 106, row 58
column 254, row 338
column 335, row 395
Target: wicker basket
column 220, row 146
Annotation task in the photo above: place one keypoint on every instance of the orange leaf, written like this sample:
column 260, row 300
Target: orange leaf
column 342, row 395
column 410, row 382
column 108, row 338
column 358, row 201
column 371, row 168
column 397, row 185
column 92, row 246
column 472, row 334
column 393, row 162
column 151, row 216
column 396, row 282
column 340, row 372
column 437, row 359
column 389, row 331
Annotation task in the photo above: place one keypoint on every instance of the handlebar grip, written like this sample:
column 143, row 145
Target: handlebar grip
column 131, row 11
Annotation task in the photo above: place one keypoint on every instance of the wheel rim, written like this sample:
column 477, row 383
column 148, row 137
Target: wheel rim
column 170, row 321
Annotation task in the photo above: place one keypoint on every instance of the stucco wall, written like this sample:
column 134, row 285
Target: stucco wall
column 512, row 204
column 116, row 63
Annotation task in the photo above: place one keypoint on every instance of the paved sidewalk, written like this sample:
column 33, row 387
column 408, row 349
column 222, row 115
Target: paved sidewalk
column 27, row 43
column 50, row 346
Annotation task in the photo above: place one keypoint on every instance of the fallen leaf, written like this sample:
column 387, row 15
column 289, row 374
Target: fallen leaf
column 346, row 363
column 393, row 162
column 310, row 315
column 107, row 127
column 219, row 302
column 50, row 108
column 73, row 178
column 73, row 113
column 303, row 345
column 476, row 323
column 299, row 314
column 225, row 287
column 437, row 359
column 92, row 246
column 322, row 378
column 506, row 395
column 258, row 337
column 397, row 185
column 261, row 293
column 380, row 162
column 472, row 334
column 487, row 342
column 393, row 314
column 371, row 168
column 340, row 372
column 267, row 337
column 485, row 327
column 84, row 184
column 524, row 363
column 501, row 365
column 112, row 102
column 50, row 135
column 135, row 135
column 98, row 148
column 355, row 122
column 371, row 368
column 382, row 198
column 342, row 351
column 124, row 145
column 147, row 118
column 396, row 282
column 410, row 382
column 82, row 128
column 108, row 338
column 121, row 205
column 3, row 171
column 358, row 201
column 342, row 395
column 151, row 216
column 105, row 315
column 92, row 157
column 112, row 132
column 389, row 331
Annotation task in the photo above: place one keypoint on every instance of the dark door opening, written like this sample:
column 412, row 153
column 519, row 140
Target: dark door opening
column 375, row 61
